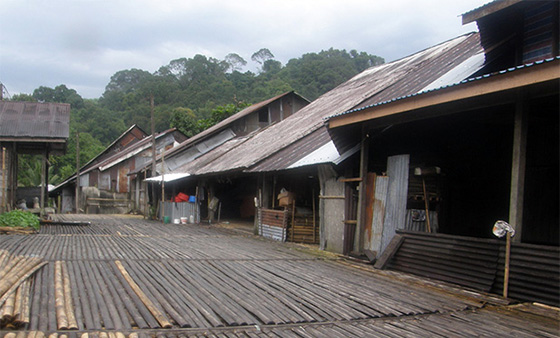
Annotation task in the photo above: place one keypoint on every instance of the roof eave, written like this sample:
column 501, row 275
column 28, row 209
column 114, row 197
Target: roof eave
column 547, row 71
column 486, row 10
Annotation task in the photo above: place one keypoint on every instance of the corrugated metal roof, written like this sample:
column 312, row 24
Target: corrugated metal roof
column 167, row 177
column 29, row 120
column 129, row 152
column 106, row 153
column 196, row 167
column 226, row 123
column 114, row 159
column 468, row 80
column 486, row 10
column 377, row 84
column 295, row 152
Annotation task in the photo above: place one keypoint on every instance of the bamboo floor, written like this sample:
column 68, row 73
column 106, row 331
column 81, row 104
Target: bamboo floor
column 123, row 276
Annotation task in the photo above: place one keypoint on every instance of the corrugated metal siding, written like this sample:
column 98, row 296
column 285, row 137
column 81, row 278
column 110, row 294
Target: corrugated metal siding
column 534, row 273
column 273, row 224
column 176, row 210
column 479, row 263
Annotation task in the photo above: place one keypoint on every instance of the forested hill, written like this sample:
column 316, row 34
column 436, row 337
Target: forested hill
column 192, row 94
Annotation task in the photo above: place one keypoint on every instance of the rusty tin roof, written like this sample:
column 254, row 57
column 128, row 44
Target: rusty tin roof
column 32, row 120
column 406, row 76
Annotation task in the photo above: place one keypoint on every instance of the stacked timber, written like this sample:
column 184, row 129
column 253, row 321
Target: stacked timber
column 15, row 285
column 94, row 334
column 17, row 230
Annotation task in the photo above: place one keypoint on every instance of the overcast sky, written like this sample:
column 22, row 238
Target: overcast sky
column 82, row 43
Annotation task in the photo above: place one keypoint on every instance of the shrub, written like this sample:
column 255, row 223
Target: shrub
column 19, row 218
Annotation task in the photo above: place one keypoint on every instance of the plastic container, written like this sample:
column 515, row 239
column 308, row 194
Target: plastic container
column 181, row 197
column 191, row 219
column 176, row 221
column 166, row 219
column 184, row 220
column 192, row 199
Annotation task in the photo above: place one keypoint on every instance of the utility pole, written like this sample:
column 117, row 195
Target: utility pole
column 153, row 123
column 77, row 172
column 163, row 186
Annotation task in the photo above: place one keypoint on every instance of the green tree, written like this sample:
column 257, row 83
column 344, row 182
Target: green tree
column 185, row 120
column 30, row 168
column 23, row 98
column 262, row 55
column 314, row 74
column 60, row 94
column 235, row 62
column 65, row 165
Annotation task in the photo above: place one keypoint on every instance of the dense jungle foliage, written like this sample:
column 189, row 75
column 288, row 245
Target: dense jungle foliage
column 190, row 94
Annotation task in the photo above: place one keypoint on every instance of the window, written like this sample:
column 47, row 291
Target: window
column 263, row 116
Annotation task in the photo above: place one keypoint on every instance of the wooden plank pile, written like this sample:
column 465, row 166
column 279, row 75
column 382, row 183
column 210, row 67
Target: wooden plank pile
column 17, row 230
column 15, row 273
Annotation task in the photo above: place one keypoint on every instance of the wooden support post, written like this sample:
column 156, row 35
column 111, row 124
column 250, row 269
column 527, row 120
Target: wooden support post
column 293, row 218
column 145, row 184
column 506, row 268
column 518, row 169
column 44, row 180
column 362, row 199
column 4, row 188
column 314, row 221
column 426, row 205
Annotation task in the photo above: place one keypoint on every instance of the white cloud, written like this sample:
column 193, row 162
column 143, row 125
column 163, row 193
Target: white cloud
column 82, row 43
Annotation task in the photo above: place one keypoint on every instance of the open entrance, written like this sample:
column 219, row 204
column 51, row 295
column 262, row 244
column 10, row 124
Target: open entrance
column 471, row 153
column 236, row 198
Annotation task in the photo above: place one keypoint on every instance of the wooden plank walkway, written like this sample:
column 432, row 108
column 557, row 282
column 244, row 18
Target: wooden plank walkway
column 143, row 278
